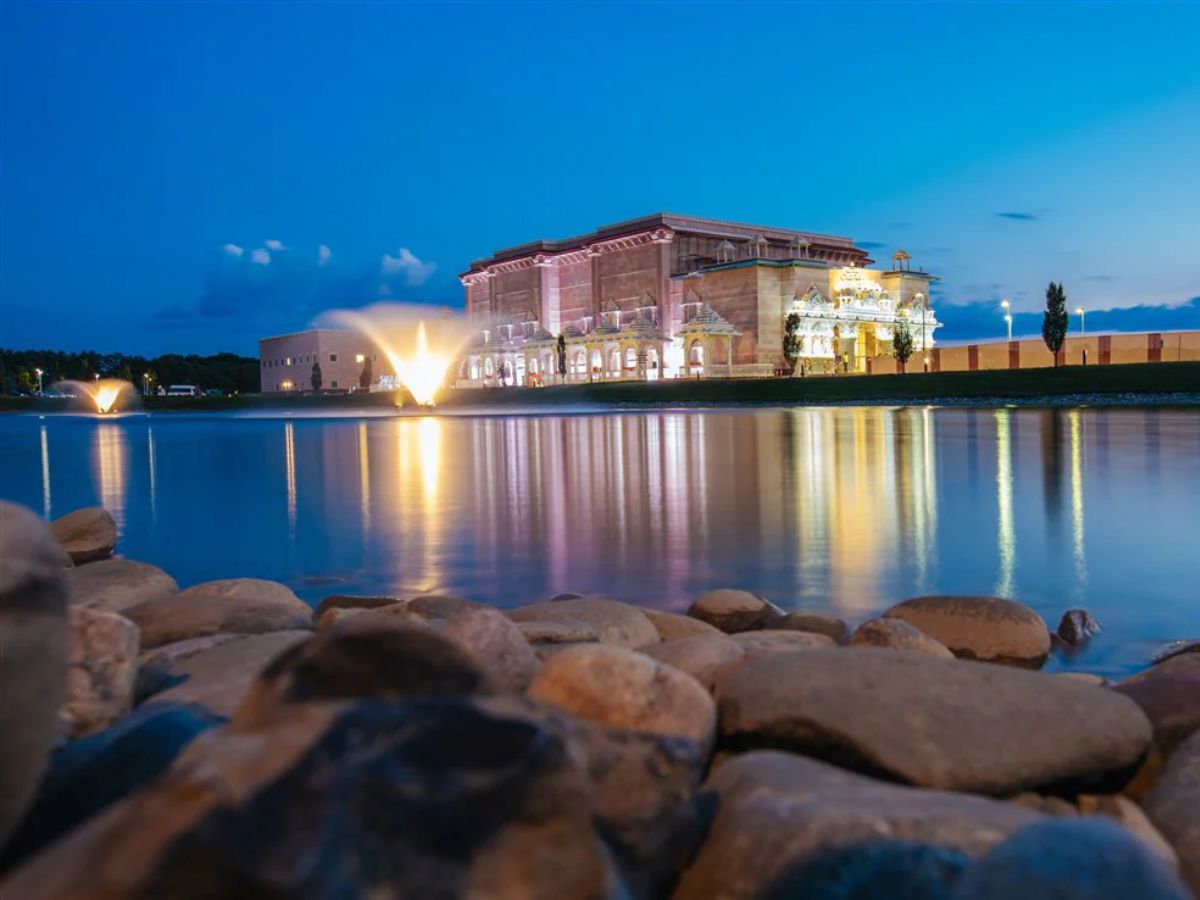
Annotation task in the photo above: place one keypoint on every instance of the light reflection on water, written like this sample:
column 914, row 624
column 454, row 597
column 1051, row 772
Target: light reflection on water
column 846, row 509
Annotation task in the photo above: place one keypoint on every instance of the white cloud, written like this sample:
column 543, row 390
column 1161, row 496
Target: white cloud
column 324, row 255
column 274, row 245
column 262, row 257
column 406, row 263
column 233, row 249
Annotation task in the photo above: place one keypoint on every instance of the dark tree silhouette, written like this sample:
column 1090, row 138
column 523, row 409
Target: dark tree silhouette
column 791, row 340
column 561, row 347
column 902, row 345
column 316, row 376
column 1054, row 322
column 366, row 376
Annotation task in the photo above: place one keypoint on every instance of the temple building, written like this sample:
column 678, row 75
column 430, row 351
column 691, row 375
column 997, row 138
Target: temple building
column 669, row 296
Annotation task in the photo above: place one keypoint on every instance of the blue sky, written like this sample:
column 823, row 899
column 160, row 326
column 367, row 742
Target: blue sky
column 172, row 171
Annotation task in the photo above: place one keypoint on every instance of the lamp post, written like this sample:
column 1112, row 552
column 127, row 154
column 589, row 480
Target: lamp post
column 145, row 384
column 1006, row 306
column 38, row 373
column 1082, row 322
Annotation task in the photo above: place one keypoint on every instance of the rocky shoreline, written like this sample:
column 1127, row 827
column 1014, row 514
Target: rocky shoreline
column 227, row 740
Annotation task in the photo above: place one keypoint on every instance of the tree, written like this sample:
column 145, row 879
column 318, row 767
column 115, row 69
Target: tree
column 791, row 340
column 902, row 344
column 316, row 376
column 1054, row 322
column 366, row 376
column 561, row 347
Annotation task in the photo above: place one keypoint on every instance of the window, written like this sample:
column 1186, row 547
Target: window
column 288, row 361
column 333, row 383
column 358, row 357
column 333, row 357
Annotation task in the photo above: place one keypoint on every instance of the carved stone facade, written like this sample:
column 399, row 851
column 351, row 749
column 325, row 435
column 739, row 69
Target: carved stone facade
column 670, row 296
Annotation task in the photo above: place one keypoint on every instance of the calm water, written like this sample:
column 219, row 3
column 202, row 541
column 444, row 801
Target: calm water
column 845, row 510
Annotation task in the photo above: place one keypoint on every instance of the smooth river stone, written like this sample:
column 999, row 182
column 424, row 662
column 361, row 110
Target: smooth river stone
column 86, row 534
column 673, row 627
column 104, row 668
column 1174, row 807
column 700, row 657
column 896, row 634
column 990, row 629
column 939, row 723
column 1169, row 693
column 118, row 584
column 732, row 611
column 777, row 811
column 618, row 624
column 817, row 623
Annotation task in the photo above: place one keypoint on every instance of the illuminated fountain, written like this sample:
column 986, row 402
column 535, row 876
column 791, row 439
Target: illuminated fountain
column 105, row 394
column 419, row 347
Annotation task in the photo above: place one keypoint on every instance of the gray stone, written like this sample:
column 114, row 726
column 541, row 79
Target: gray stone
column 732, row 611
column 901, row 870
column 86, row 534
column 1174, row 807
column 614, row 623
column 350, row 601
column 1169, row 694
column 933, row 722
column 1076, row 627
column 545, row 633
column 496, row 643
column 33, row 664
column 896, row 634
column 118, row 584
column 817, row 623
column 236, row 605
column 991, row 629
column 700, row 657
column 673, row 627
column 771, row 641
column 777, row 811
column 103, row 672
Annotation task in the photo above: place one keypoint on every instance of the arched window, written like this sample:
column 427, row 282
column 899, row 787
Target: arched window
column 630, row 358
column 696, row 353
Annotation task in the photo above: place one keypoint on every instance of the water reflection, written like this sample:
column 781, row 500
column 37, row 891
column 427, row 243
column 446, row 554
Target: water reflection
column 1078, row 554
column 109, row 466
column 289, row 458
column 45, row 446
column 1005, row 532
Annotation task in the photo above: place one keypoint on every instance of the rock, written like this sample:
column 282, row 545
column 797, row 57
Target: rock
column 1129, row 816
column 497, row 645
column 732, row 611
column 896, row 634
column 347, row 601
column 432, row 798
column 1076, row 627
column 1169, row 694
column 623, row 689
column 933, row 722
column 103, row 672
column 1176, row 648
column 990, row 629
column 362, row 661
column 1070, row 859
column 156, row 668
column 700, row 657
column 236, row 605
column 33, row 664
column 565, row 595
column 86, row 534
column 674, row 627
column 117, row 584
column 540, row 633
column 817, row 623
column 778, row 811
column 1082, row 678
column 1045, row 803
column 615, row 623
column 92, row 773
column 904, row 869
column 1174, row 807
column 757, row 642
column 218, row 678
column 441, row 606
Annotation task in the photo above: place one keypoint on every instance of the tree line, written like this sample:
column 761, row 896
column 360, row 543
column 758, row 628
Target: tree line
column 226, row 372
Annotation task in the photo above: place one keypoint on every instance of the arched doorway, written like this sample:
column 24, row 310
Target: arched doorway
column 597, row 364
column 652, row 364
column 696, row 357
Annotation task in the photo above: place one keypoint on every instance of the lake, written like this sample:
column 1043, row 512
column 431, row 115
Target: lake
column 844, row 510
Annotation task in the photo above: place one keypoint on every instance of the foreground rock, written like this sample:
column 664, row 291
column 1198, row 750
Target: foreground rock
column 732, row 611
column 700, row 657
column 618, row 624
column 1169, row 694
column 777, row 811
column 348, row 601
column 817, row 623
column 118, row 584
column 218, row 678
column 990, row 629
column 933, row 722
column 362, row 661
column 235, row 605
column 33, row 664
column 496, row 643
column 90, row 774
column 1070, row 859
column 1076, row 627
column 1174, row 807
column 896, row 634
column 899, row 870
column 622, row 689
column 758, row 642
column 674, row 627
column 437, row 799
column 86, row 534
column 103, row 672
column 1129, row 816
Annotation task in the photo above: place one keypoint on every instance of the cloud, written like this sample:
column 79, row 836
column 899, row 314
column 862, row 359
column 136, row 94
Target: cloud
column 1017, row 216
column 1101, row 278
column 261, row 257
column 985, row 320
column 324, row 255
column 871, row 245
column 234, row 249
column 274, row 245
column 406, row 264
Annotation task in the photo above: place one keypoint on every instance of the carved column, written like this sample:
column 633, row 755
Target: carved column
column 547, row 292
column 663, row 238
column 594, row 308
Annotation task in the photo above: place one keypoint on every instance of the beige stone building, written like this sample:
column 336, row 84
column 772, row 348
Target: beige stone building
column 669, row 296
column 286, row 362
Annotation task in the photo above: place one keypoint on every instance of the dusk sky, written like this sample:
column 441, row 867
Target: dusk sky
column 191, row 177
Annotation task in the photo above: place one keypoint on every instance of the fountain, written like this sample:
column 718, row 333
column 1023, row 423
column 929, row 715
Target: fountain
column 104, row 393
column 419, row 348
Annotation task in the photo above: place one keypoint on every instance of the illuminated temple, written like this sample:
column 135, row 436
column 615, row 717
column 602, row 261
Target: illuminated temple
column 669, row 296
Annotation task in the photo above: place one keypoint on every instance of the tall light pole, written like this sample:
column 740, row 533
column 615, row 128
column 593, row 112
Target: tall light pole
column 1082, row 322
column 38, row 373
column 1006, row 306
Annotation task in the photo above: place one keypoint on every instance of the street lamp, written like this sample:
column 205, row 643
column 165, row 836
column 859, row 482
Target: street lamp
column 1082, row 322
column 38, row 373
column 145, row 384
column 1006, row 306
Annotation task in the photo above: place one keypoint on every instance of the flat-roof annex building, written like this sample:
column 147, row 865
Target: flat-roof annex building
column 677, row 296
column 286, row 361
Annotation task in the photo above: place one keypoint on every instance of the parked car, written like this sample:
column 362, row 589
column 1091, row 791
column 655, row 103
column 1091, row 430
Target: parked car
column 183, row 390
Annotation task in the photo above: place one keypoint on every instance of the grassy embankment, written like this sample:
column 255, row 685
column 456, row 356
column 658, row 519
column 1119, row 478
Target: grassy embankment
column 1154, row 380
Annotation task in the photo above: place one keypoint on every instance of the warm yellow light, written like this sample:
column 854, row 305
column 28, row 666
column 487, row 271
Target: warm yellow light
column 1004, row 304
column 103, row 393
column 358, row 357
column 1079, row 310
column 423, row 371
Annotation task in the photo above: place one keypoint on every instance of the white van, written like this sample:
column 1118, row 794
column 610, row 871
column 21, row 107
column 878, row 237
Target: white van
column 183, row 390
